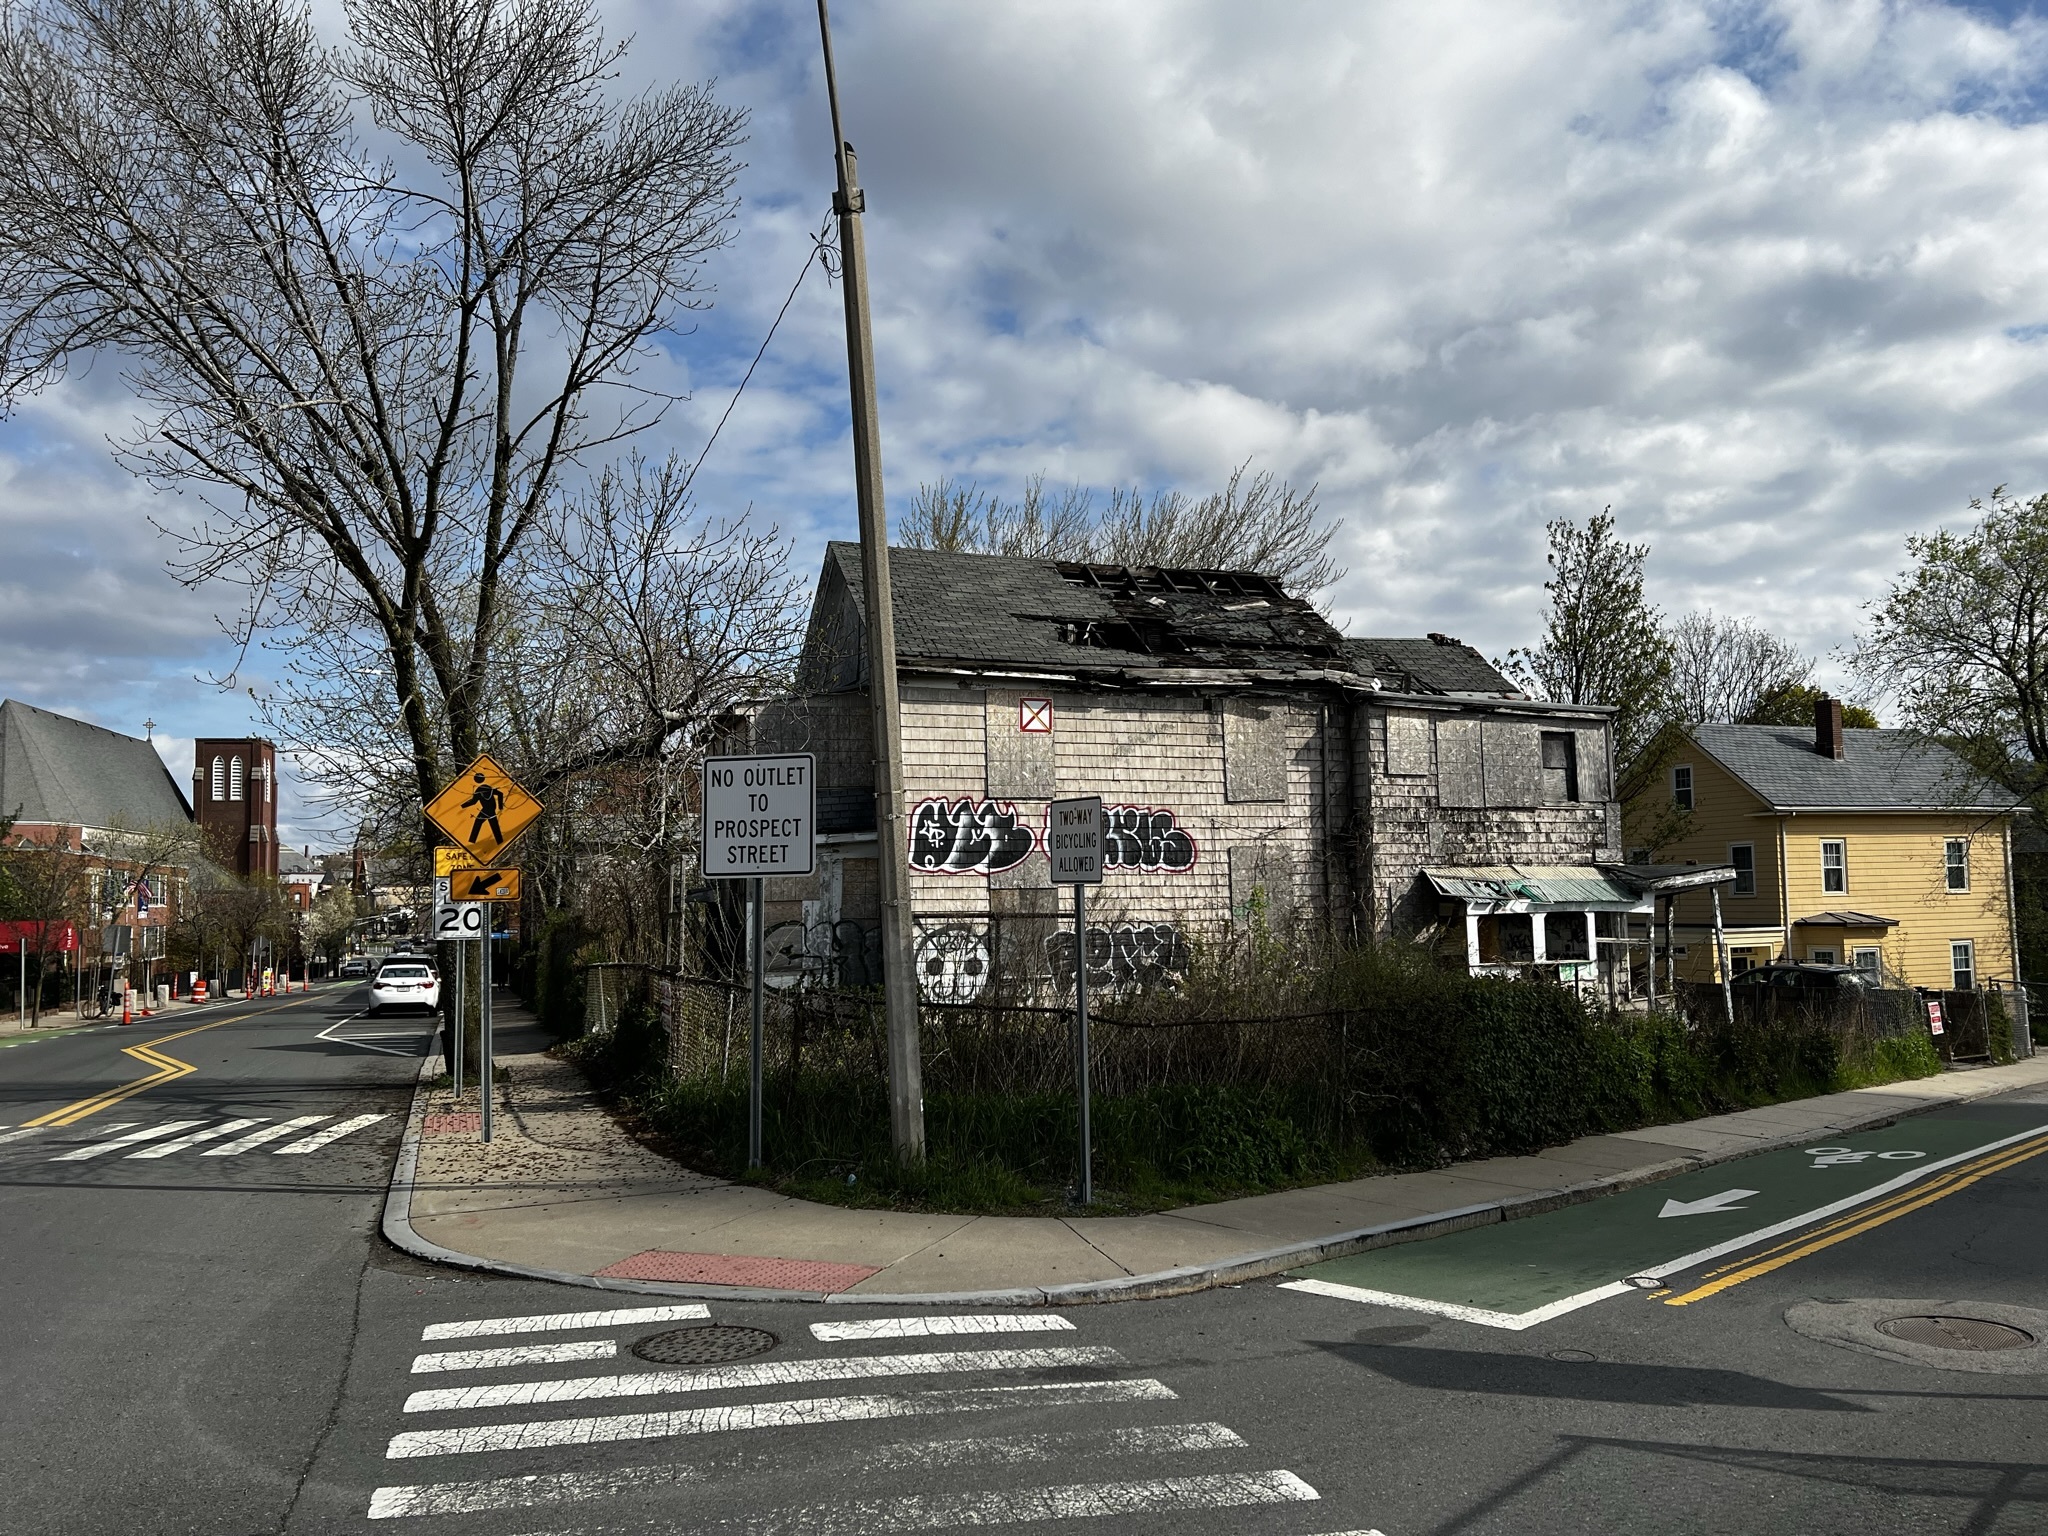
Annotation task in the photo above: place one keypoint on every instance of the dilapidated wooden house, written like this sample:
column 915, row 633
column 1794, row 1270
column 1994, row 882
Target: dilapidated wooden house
column 1256, row 766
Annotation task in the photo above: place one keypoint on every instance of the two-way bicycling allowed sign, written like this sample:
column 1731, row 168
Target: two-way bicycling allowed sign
column 484, row 809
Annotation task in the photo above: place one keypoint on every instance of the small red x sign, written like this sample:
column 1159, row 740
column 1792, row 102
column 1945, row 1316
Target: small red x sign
column 1034, row 714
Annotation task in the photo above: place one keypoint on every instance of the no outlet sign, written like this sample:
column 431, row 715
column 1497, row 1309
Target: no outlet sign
column 760, row 816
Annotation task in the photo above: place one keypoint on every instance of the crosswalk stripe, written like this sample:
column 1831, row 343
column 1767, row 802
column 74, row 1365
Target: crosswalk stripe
column 27, row 1130
column 258, row 1138
column 1013, row 1506
column 148, row 1133
column 549, row 1322
column 791, row 1413
column 1009, row 1450
column 520, row 1492
column 927, row 1327
column 165, row 1149
column 319, row 1139
column 766, row 1373
column 517, row 1354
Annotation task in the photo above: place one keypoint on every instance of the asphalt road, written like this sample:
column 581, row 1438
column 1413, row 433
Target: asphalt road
column 193, row 1358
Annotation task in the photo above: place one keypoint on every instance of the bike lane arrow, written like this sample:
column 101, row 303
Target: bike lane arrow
column 1721, row 1202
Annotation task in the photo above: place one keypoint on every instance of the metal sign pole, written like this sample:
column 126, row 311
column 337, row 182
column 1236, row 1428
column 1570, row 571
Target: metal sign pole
column 461, row 1020
column 1081, row 1015
column 754, row 945
column 484, row 1084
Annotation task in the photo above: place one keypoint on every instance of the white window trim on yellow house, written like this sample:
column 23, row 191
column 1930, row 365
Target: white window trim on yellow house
column 1895, row 806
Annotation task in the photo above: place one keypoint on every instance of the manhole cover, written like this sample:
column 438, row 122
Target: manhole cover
column 713, row 1344
column 1970, row 1333
column 1573, row 1356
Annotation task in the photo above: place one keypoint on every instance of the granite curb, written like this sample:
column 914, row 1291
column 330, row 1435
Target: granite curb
column 1184, row 1280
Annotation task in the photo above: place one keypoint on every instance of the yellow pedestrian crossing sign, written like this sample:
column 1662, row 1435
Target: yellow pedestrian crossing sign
column 483, row 810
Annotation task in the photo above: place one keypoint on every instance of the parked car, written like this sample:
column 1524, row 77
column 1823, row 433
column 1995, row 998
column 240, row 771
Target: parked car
column 1808, row 975
column 355, row 968
column 405, row 981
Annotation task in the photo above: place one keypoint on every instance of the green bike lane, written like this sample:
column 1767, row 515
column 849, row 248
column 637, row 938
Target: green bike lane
column 1517, row 1274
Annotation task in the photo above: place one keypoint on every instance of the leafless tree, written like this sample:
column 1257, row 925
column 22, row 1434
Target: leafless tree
column 1256, row 522
column 1723, row 669
column 48, row 885
column 377, row 303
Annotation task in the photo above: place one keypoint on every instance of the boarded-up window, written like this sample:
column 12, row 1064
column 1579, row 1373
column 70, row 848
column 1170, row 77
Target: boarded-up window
column 1408, row 745
column 1461, row 780
column 1254, row 750
column 1513, row 763
column 1593, row 765
column 1021, row 764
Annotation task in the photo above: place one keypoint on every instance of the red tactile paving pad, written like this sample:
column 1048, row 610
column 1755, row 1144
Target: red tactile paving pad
column 729, row 1269
column 451, row 1125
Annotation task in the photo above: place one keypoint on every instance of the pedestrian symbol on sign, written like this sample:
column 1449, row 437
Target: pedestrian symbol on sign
column 485, row 799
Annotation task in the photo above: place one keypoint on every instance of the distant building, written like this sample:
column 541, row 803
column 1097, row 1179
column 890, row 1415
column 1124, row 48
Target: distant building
column 1876, row 849
column 301, row 877
column 234, row 789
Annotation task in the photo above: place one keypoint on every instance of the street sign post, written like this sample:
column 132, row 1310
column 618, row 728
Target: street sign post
column 484, row 810
column 1073, row 843
column 760, row 818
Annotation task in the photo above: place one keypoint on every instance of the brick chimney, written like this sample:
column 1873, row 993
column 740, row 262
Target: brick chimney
column 1827, row 726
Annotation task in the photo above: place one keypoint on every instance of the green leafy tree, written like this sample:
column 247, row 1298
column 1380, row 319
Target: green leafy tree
column 1791, row 703
column 1603, row 642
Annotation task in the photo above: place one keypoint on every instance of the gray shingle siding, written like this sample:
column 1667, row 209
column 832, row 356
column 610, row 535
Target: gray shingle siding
column 1878, row 770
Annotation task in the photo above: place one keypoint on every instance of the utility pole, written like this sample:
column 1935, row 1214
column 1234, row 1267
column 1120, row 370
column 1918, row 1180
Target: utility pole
column 899, row 977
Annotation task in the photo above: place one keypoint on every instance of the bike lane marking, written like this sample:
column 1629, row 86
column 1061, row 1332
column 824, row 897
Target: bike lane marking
column 1516, row 1274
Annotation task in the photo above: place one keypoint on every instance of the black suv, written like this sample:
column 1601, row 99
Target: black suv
column 1808, row 975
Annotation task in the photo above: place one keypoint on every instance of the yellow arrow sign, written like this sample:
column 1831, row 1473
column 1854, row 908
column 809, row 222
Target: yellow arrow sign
column 484, row 885
column 483, row 810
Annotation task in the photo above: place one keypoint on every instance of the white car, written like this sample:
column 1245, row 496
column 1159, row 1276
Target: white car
column 405, row 983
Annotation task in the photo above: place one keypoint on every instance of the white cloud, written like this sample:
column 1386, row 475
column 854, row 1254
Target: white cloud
column 1760, row 275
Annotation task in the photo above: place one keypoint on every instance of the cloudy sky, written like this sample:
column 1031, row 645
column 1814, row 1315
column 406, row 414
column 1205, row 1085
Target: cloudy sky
column 1767, row 278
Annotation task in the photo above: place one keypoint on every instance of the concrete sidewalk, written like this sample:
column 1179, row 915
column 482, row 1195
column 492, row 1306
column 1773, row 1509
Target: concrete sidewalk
column 562, row 1193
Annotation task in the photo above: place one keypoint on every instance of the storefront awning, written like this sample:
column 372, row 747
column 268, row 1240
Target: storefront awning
column 1535, row 887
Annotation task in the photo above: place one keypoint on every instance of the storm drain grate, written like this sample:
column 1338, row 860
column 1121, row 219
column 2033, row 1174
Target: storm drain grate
column 1968, row 1333
column 713, row 1344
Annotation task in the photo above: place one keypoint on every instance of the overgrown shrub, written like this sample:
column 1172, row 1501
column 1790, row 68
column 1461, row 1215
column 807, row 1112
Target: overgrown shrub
column 558, row 974
column 1266, row 1069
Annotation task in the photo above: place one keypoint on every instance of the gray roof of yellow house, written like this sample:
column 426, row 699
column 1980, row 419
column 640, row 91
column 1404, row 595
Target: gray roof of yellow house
column 1878, row 770
column 64, row 772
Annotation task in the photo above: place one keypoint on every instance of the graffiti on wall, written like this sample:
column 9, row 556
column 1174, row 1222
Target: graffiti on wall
column 958, row 837
column 845, row 954
column 1122, row 955
column 952, row 963
column 1144, row 838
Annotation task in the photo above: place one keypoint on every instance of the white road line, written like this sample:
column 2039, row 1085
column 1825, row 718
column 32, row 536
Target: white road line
column 258, row 1138
column 520, row 1492
column 30, row 1130
column 1013, row 1506
column 363, row 1041
column 792, row 1413
column 319, row 1139
column 925, row 1327
column 1010, row 1450
column 1513, row 1322
column 517, row 1354
column 196, row 1138
column 766, row 1373
column 555, row 1322
column 149, row 1133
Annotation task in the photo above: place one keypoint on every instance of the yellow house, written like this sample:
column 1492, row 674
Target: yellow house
column 1868, row 848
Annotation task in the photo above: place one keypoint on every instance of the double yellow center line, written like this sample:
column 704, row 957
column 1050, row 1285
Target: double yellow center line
column 166, row 1069
column 1863, row 1219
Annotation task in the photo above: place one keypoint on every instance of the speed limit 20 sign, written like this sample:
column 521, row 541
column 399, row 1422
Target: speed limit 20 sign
column 459, row 921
